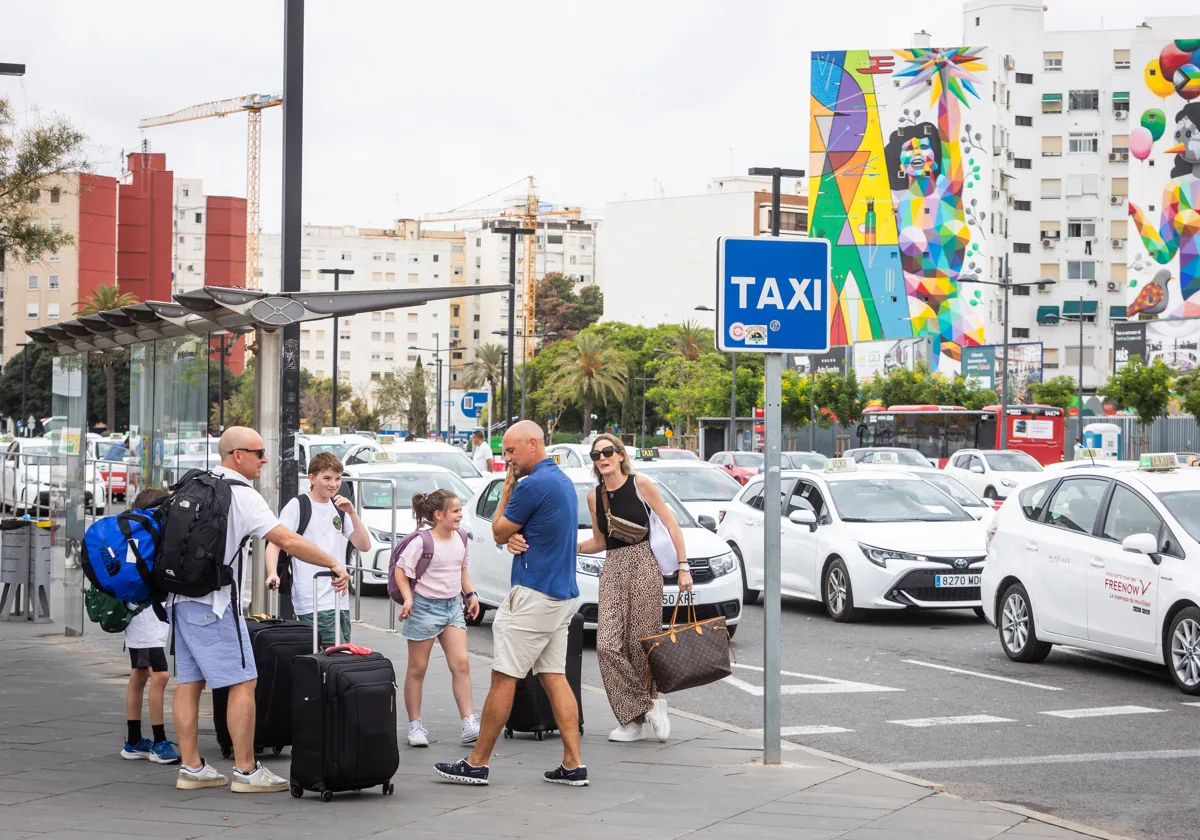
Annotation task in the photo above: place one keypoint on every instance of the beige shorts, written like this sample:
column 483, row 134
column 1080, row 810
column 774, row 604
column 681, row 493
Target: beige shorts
column 530, row 633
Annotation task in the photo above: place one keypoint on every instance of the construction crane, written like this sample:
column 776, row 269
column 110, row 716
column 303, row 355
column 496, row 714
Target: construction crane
column 252, row 105
column 528, row 214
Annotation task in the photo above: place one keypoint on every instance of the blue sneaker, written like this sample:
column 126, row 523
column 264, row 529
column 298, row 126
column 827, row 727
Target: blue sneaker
column 562, row 776
column 460, row 772
column 164, row 752
column 142, row 749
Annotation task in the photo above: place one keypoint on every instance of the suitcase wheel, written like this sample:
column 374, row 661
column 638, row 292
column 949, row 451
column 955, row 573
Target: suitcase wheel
column 226, row 752
column 297, row 791
column 326, row 796
column 388, row 788
column 507, row 734
column 539, row 735
column 276, row 750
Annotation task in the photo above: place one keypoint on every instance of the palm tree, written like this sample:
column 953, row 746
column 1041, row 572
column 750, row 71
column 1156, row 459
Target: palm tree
column 487, row 369
column 590, row 369
column 690, row 341
column 107, row 297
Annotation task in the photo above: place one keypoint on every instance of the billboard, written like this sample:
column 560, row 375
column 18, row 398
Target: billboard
column 901, row 167
column 879, row 358
column 979, row 365
column 1163, row 271
column 832, row 360
column 1174, row 340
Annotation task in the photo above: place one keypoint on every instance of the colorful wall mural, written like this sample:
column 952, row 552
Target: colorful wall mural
column 1164, row 182
column 900, row 185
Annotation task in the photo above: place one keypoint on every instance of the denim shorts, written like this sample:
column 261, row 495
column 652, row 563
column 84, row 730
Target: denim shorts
column 432, row 615
column 207, row 647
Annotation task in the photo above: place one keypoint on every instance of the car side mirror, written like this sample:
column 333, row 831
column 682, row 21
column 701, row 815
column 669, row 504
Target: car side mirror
column 978, row 470
column 803, row 517
column 707, row 521
column 1143, row 544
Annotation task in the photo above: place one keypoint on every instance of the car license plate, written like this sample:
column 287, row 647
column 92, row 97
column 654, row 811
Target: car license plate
column 943, row 581
column 683, row 598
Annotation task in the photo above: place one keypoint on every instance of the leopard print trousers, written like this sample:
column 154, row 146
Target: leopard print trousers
column 631, row 590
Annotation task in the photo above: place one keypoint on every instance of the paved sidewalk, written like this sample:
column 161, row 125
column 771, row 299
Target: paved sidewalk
column 62, row 724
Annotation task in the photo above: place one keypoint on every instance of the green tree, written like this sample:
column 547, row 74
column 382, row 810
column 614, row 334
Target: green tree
column 38, row 399
column 487, row 368
column 1145, row 389
column 562, row 310
column 359, row 414
column 31, row 158
column 1058, row 391
column 239, row 398
column 796, row 391
column 838, row 397
column 417, row 413
column 691, row 340
column 1187, row 386
column 589, row 369
column 108, row 296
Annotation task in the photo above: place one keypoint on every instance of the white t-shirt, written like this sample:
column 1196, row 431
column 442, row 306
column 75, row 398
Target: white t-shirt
column 483, row 457
column 328, row 529
column 248, row 515
column 146, row 631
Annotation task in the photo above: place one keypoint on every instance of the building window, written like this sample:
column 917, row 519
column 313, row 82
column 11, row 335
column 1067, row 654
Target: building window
column 389, row 316
column 1120, row 187
column 31, row 311
column 54, row 257
column 376, row 336
column 185, row 192
column 31, row 283
column 1024, row 78
column 476, row 332
column 1052, row 103
column 320, row 335
column 376, row 374
column 1027, row 122
column 1020, row 291
column 412, row 338
column 376, row 316
column 1072, row 355
column 413, row 279
column 376, row 276
column 412, row 317
column 389, row 277
column 1022, row 163
column 390, row 256
column 389, row 356
column 458, row 271
column 1021, row 248
column 344, row 355
column 1084, row 100
column 454, row 336
column 1120, row 102
column 1051, row 188
column 344, row 336
column 1084, row 142
column 199, row 217
column 478, row 242
column 413, row 259
column 320, row 253
column 1022, row 205
column 305, row 274
column 1052, row 62
column 1120, row 59
column 1081, row 270
column 320, row 374
column 377, row 256
column 1051, row 145
column 305, row 354
column 1020, row 332
column 52, row 283
column 477, row 262
column 52, row 311
column 55, row 195
column 375, row 356
column 35, row 195
column 435, row 257
column 1081, row 228
column 197, row 243
column 456, row 249
column 553, row 239
column 1120, row 144
column 454, row 310
column 56, row 224
column 344, row 375
column 347, row 256
column 305, row 333
column 389, row 338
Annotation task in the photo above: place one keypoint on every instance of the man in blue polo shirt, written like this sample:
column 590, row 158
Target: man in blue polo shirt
column 530, row 628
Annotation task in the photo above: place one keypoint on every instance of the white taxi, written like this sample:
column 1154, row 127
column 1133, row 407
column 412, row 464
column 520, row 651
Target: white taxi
column 716, row 591
column 705, row 490
column 430, row 453
column 862, row 539
column 1102, row 559
column 992, row 473
column 973, row 504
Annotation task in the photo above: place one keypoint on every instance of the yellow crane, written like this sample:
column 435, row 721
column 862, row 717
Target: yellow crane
column 252, row 105
column 528, row 214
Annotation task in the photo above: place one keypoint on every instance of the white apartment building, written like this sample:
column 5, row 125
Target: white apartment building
column 189, row 226
column 1062, row 170
column 371, row 345
column 659, row 254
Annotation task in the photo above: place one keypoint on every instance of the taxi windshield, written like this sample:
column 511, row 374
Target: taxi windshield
column 955, row 490
column 666, row 454
column 378, row 496
column 893, row 500
column 696, row 484
column 456, row 462
column 681, row 515
column 338, row 450
column 907, row 457
column 1012, row 462
column 1185, row 507
column 748, row 459
column 796, row 460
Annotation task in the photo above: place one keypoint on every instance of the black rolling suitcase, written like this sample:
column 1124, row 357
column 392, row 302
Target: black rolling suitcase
column 275, row 642
column 344, row 720
column 531, row 711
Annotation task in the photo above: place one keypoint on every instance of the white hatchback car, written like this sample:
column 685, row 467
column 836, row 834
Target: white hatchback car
column 992, row 473
column 973, row 504
column 717, row 588
column 705, row 490
column 1102, row 559
column 429, row 453
column 862, row 539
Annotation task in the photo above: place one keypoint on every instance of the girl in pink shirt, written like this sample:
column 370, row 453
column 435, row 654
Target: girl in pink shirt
column 435, row 610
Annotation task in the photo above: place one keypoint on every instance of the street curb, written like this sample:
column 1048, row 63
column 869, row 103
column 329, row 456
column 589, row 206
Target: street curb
column 1058, row 822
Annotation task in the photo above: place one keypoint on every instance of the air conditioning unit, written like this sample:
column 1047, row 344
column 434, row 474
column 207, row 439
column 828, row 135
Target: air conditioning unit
column 1118, row 243
column 1011, row 155
column 1116, row 199
column 1112, row 157
column 1010, row 63
column 1011, row 200
column 1047, row 243
column 1120, row 115
column 995, row 194
column 1124, row 157
column 1113, row 285
column 1044, row 288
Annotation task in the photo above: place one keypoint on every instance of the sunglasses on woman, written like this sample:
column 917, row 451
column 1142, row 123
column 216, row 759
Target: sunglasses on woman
column 606, row 452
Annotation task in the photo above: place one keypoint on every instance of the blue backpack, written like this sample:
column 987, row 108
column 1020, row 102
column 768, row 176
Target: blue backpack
column 118, row 555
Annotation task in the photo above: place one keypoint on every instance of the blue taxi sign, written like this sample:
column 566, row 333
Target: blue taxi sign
column 773, row 294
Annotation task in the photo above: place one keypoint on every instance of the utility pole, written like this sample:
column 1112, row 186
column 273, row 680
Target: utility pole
column 437, row 352
column 644, row 379
column 221, row 388
column 337, row 276
column 24, row 385
column 512, row 233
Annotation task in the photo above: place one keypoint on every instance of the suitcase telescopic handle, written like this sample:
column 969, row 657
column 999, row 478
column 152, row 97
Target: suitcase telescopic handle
column 337, row 612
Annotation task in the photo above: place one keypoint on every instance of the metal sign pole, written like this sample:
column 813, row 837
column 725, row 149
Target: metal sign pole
column 772, row 714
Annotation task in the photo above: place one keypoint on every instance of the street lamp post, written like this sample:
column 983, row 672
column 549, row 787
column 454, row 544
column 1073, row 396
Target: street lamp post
column 337, row 276
column 524, row 338
column 437, row 352
column 24, row 380
column 732, row 390
column 512, row 233
column 644, row 379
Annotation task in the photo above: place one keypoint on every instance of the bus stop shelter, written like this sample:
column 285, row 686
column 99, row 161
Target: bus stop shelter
column 169, row 345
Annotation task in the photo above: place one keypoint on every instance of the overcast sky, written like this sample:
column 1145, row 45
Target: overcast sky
column 414, row 107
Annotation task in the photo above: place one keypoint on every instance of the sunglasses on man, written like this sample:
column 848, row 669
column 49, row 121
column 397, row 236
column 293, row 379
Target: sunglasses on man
column 606, row 452
column 257, row 453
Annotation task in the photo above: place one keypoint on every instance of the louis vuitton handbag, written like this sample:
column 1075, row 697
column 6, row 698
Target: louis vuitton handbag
column 688, row 655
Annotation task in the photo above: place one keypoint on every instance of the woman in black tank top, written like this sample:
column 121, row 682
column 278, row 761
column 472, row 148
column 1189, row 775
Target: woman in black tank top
column 631, row 588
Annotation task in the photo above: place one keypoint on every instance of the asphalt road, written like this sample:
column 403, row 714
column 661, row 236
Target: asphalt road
column 1121, row 758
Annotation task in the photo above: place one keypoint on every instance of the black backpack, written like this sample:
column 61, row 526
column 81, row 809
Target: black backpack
column 284, row 566
column 191, row 553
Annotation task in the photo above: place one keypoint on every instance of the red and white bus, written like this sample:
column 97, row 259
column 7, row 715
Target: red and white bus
column 938, row 431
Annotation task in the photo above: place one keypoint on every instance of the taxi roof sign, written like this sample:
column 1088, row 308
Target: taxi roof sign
column 1157, row 461
column 385, row 439
column 840, row 465
column 647, row 454
column 331, row 430
column 381, row 457
column 1088, row 453
column 885, row 458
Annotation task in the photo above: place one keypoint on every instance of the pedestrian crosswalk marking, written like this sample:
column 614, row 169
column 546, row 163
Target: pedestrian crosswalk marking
column 1103, row 711
column 920, row 723
column 800, row 731
column 817, row 684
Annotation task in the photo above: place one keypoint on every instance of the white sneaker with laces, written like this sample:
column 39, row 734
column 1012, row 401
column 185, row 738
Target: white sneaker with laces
column 632, row 731
column 261, row 780
column 417, row 734
column 470, row 730
column 205, row 777
column 658, row 720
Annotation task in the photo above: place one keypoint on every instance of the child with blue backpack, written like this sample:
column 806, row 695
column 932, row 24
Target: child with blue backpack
column 146, row 639
column 430, row 572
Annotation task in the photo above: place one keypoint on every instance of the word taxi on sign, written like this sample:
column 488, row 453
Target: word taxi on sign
column 772, row 294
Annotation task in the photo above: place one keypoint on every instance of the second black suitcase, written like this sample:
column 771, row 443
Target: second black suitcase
column 344, row 721
column 531, row 711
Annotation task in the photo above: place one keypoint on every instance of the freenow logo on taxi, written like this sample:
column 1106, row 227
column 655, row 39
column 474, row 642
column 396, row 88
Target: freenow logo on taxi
column 1127, row 587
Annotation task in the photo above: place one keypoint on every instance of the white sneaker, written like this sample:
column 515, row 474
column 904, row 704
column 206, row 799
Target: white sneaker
column 470, row 730
column 261, row 780
column 205, row 777
column 658, row 720
column 632, row 731
column 417, row 735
